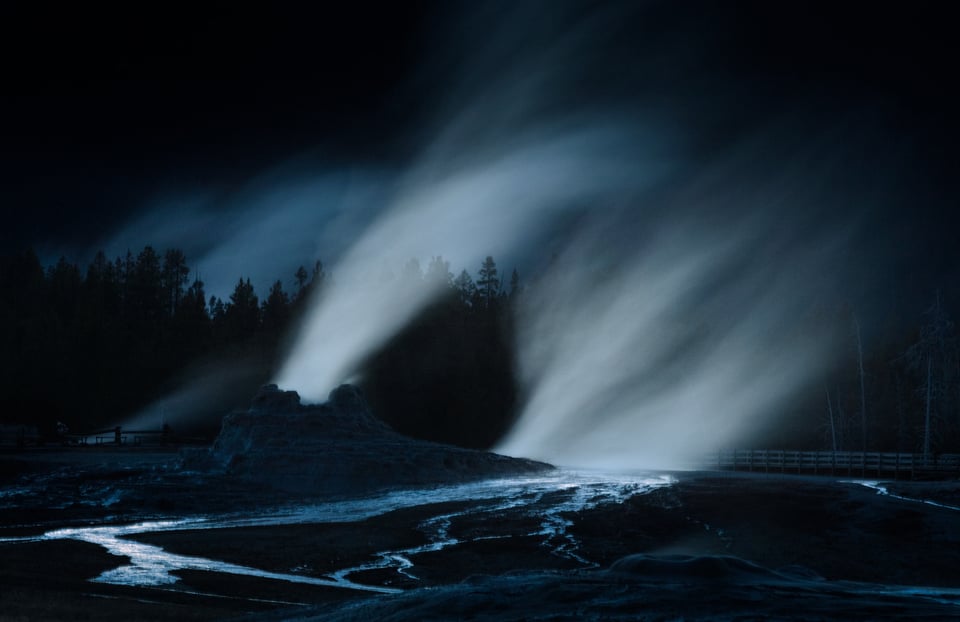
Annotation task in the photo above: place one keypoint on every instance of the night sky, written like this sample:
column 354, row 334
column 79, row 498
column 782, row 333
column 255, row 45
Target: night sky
column 106, row 111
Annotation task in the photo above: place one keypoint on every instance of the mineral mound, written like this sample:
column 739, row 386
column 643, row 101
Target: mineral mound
column 340, row 447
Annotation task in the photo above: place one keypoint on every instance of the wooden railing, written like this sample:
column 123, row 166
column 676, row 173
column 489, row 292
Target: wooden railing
column 852, row 463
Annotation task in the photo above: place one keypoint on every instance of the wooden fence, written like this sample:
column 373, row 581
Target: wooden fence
column 851, row 463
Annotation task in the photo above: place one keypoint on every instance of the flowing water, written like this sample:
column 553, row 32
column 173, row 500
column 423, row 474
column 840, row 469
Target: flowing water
column 546, row 499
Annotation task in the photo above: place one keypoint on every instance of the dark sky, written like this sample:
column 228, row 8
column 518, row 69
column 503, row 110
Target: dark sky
column 104, row 109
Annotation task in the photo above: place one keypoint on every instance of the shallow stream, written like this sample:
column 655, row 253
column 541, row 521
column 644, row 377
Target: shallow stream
column 546, row 499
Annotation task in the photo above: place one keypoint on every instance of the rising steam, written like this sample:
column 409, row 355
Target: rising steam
column 657, row 353
column 501, row 200
column 675, row 312
column 502, row 167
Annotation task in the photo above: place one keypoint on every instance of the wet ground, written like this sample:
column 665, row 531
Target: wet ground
column 126, row 535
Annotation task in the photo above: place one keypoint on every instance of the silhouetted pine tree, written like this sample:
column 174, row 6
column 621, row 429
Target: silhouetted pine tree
column 276, row 309
column 466, row 288
column 242, row 316
column 173, row 278
column 89, row 347
column 514, row 284
column 301, row 278
column 488, row 283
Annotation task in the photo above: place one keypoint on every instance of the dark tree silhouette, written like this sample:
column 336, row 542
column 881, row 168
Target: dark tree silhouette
column 217, row 310
column 488, row 283
column 933, row 358
column 466, row 289
column 301, row 279
column 276, row 309
column 174, row 278
column 242, row 315
column 448, row 376
column 89, row 347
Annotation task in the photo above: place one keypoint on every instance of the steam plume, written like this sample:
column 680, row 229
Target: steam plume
column 492, row 204
column 676, row 315
column 656, row 355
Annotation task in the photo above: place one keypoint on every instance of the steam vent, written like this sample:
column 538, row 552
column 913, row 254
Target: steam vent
column 339, row 447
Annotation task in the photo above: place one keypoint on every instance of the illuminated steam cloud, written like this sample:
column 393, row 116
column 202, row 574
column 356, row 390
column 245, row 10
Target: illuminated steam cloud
column 505, row 199
column 673, row 318
column 277, row 222
column 658, row 355
column 502, row 164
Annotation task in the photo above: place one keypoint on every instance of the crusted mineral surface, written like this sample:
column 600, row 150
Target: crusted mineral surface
column 339, row 447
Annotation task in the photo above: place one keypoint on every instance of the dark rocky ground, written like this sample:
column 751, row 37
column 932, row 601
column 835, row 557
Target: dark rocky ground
column 338, row 447
column 571, row 546
column 822, row 549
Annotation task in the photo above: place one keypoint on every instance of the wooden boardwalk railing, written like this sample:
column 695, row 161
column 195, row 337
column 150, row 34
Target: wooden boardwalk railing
column 852, row 463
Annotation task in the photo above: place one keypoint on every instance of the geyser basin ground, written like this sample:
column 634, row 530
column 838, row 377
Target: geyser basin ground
column 499, row 549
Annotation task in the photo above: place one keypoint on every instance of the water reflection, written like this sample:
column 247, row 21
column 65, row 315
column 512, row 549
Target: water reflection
column 546, row 498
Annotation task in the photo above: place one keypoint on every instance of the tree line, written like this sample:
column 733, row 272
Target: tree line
column 902, row 394
column 89, row 346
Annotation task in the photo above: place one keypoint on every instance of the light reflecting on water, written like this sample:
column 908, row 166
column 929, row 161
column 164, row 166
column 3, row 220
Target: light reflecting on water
column 544, row 497
column 882, row 490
